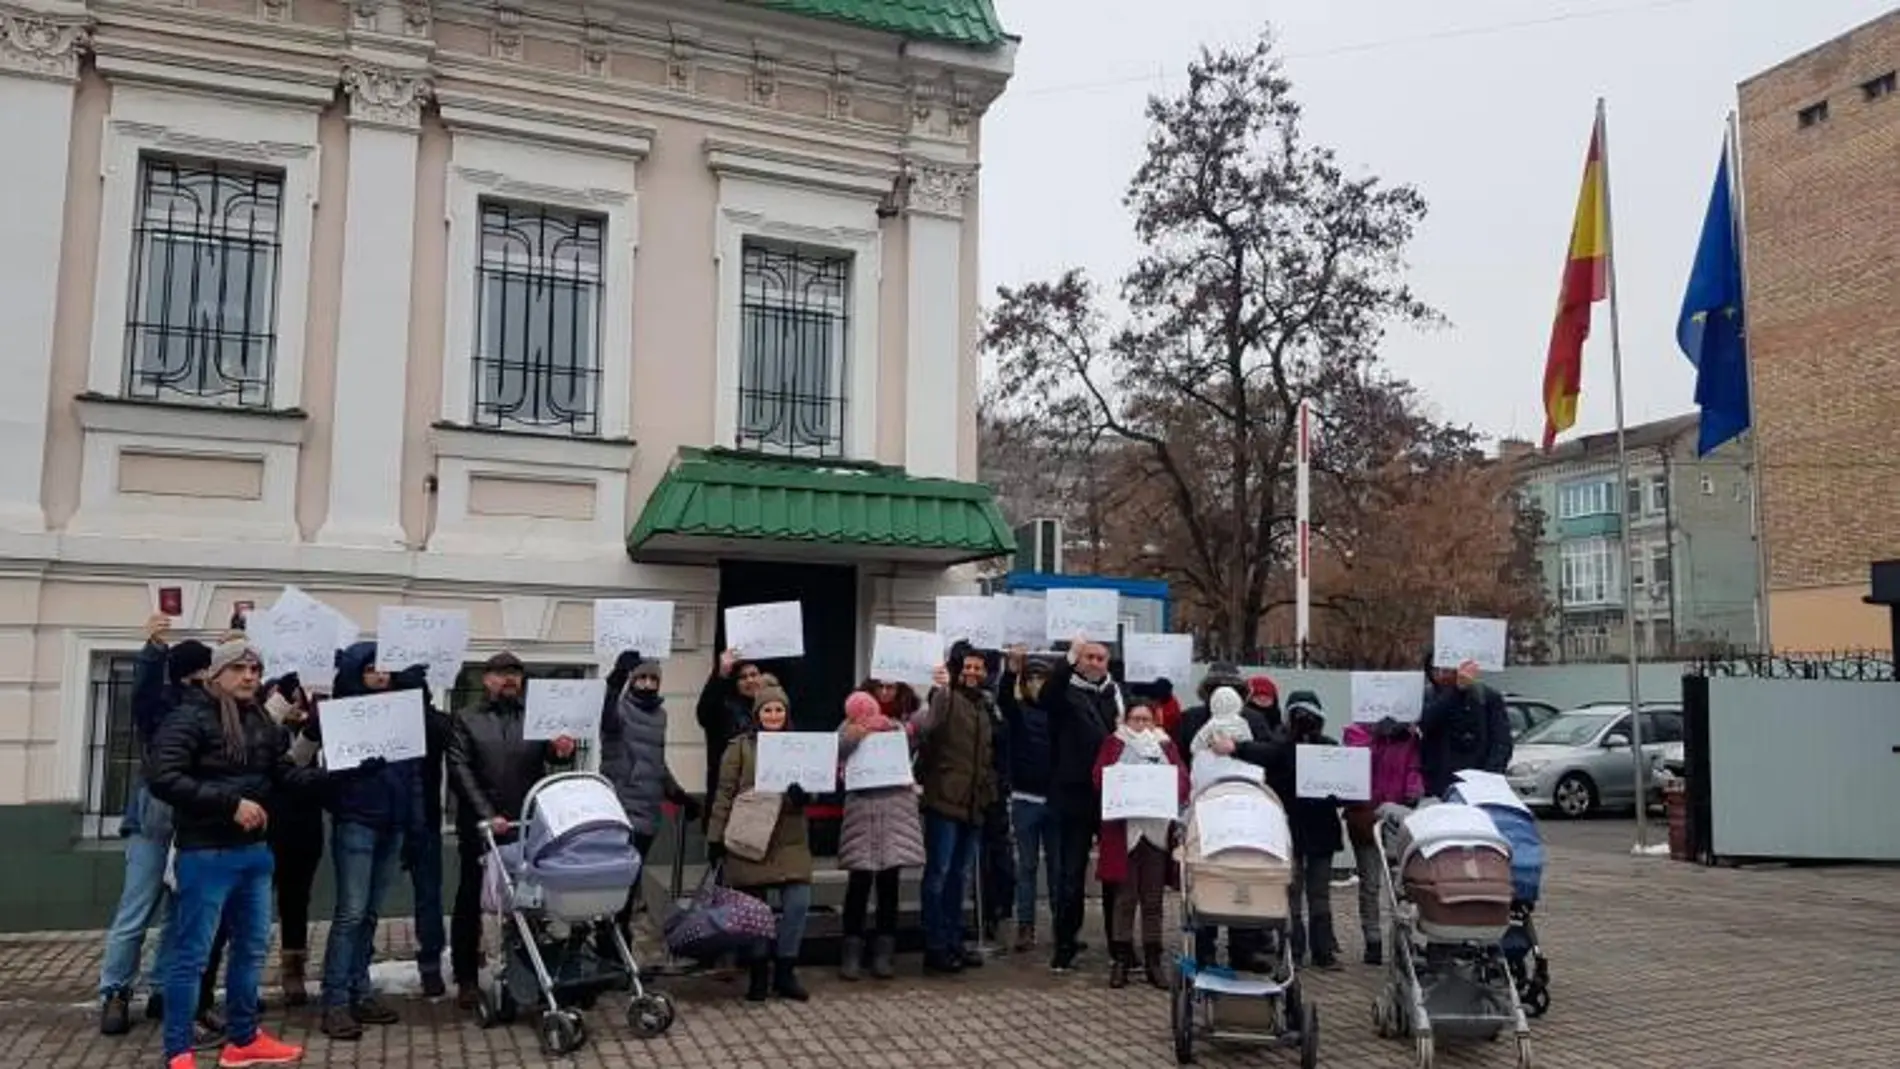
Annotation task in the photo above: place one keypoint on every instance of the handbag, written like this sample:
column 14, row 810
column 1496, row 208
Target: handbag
column 750, row 824
column 718, row 920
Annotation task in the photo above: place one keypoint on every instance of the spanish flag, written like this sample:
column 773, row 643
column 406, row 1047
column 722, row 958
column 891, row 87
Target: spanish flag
column 1586, row 275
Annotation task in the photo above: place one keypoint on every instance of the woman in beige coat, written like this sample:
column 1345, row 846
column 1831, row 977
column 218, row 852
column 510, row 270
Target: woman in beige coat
column 784, row 872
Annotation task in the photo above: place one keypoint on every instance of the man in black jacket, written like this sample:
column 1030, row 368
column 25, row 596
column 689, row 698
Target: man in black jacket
column 1084, row 707
column 491, row 768
column 725, row 712
column 1464, row 726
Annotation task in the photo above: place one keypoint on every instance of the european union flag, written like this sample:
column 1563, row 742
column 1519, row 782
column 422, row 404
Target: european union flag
column 1711, row 329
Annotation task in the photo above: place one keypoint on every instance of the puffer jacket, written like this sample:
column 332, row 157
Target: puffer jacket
column 391, row 797
column 1029, row 747
column 491, row 767
column 882, row 828
column 1082, row 715
column 191, row 772
column 956, row 753
column 633, row 758
column 788, row 858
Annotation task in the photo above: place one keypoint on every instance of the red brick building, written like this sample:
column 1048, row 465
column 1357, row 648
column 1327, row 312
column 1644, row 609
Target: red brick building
column 1821, row 185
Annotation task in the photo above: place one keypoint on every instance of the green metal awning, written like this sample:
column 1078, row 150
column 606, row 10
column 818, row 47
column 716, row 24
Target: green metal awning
column 962, row 22
column 723, row 503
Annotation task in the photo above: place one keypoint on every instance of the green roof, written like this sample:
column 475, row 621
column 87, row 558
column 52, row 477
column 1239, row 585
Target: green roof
column 964, row 22
column 712, row 496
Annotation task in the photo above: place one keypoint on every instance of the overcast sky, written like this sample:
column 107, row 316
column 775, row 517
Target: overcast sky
column 1484, row 105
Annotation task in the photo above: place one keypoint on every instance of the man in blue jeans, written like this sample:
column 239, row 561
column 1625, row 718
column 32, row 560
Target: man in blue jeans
column 956, row 771
column 371, row 815
column 146, row 826
column 1037, row 827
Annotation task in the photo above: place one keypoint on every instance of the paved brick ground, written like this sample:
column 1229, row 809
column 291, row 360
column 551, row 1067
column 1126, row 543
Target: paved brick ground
column 1657, row 966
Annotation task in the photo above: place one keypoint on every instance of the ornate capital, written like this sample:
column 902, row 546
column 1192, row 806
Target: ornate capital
column 386, row 96
column 938, row 189
column 43, row 41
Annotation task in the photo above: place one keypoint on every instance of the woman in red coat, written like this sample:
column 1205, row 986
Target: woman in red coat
column 1135, row 855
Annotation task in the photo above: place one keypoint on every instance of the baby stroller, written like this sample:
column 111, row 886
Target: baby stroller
column 1235, row 871
column 1449, row 894
column 555, row 890
column 1521, row 947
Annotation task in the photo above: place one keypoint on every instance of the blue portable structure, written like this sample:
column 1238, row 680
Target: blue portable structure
column 1145, row 603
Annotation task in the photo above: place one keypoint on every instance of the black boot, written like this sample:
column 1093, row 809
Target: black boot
column 785, row 981
column 1320, row 934
column 1151, row 963
column 883, row 955
column 759, row 979
column 1375, row 953
column 1120, row 956
column 115, row 1014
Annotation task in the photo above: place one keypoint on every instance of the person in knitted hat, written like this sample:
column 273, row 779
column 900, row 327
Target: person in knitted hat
column 881, row 836
column 633, row 730
column 218, row 760
column 1317, row 837
column 783, row 872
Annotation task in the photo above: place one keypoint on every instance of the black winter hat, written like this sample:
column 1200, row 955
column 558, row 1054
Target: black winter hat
column 185, row 659
column 1304, row 703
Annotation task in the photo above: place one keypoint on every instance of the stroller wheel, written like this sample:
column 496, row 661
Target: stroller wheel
column 1382, row 1016
column 650, row 1015
column 1181, row 1010
column 1524, row 1052
column 1309, row 1038
column 506, row 1009
column 1537, row 1000
column 1427, row 1053
column 561, row 1032
column 485, row 1013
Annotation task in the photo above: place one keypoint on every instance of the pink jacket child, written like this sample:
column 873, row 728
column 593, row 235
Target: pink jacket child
column 1396, row 774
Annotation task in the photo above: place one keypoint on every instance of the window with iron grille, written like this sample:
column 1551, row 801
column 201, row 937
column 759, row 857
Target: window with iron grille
column 201, row 326
column 538, row 293
column 795, row 320
column 112, row 749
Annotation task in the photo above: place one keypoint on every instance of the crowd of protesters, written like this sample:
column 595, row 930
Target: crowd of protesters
column 225, row 826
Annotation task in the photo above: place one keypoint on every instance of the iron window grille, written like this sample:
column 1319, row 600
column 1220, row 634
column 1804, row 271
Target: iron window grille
column 795, row 325
column 538, row 293
column 201, row 326
column 112, row 748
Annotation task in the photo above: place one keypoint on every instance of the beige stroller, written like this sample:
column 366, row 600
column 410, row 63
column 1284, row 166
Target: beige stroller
column 1235, row 870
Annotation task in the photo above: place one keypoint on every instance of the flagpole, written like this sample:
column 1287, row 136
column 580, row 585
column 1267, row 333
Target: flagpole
column 1737, row 220
column 1622, row 494
column 1303, row 508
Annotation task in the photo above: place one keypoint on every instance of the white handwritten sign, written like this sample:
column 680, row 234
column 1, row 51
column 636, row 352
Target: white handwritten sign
column 766, row 632
column 1457, row 639
column 807, row 758
column 387, row 725
column 576, row 803
column 564, row 708
column 1477, row 787
column 1071, row 611
column 1211, row 768
column 347, row 633
column 1378, row 695
column 299, row 637
column 622, row 624
column 1242, row 822
column 1342, row 772
column 882, row 759
column 1141, row 792
column 1025, row 620
column 435, row 637
column 1147, row 658
column 900, row 655
column 978, row 621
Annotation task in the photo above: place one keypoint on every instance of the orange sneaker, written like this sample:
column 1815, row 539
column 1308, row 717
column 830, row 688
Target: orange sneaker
column 261, row 1050
column 187, row 1060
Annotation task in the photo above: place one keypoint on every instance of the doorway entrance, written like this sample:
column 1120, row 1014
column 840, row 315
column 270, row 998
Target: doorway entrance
column 817, row 683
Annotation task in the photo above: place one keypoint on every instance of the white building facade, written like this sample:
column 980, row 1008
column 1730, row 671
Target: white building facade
column 500, row 306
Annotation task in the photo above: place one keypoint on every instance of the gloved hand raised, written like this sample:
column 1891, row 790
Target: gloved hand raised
column 796, row 795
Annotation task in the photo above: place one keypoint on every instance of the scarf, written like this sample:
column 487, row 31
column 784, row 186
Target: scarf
column 1144, row 748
